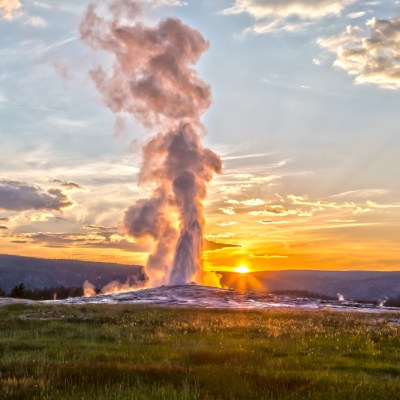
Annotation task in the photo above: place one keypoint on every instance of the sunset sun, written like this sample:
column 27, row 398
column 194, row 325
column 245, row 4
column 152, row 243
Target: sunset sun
column 242, row 269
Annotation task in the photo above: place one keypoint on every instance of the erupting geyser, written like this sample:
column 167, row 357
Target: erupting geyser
column 153, row 79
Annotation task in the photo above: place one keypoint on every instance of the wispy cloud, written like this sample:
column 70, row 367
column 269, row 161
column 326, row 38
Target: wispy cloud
column 244, row 156
column 36, row 21
column 264, row 255
column 97, row 239
column 374, row 204
column 248, row 203
column 228, row 210
column 361, row 193
column 209, row 245
column 286, row 15
column 228, row 223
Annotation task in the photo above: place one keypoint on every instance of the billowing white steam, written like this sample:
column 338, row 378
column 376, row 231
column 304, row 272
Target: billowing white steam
column 89, row 290
column 153, row 79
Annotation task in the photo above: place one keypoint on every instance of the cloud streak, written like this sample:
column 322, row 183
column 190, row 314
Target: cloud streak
column 286, row 15
column 111, row 240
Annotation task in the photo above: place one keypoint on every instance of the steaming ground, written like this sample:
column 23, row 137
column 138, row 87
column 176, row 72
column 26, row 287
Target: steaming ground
column 197, row 296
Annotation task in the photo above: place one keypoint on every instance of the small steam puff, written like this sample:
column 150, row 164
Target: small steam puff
column 153, row 79
column 341, row 297
column 131, row 284
column 89, row 290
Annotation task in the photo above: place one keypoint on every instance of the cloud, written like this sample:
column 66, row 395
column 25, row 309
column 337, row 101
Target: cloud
column 243, row 156
column 68, row 185
column 320, row 205
column 276, row 210
column 248, row 203
column 286, row 15
column 229, row 223
column 361, row 193
column 20, row 196
column 100, row 228
column 36, row 21
column 295, row 206
column 72, row 186
column 374, row 204
column 264, row 255
column 170, row 3
column 371, row 54
column 10, row 9
column 228, row 210
column 270, row 221
column 89, row 239
column 343, row 221
column 356, row 15
column 209, row 245
column 225, row 235
column 3, row 227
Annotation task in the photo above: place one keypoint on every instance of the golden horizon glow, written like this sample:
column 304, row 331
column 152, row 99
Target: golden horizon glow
column 242, row 270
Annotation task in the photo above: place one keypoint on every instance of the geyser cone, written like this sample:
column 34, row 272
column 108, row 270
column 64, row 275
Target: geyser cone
column 153, row 79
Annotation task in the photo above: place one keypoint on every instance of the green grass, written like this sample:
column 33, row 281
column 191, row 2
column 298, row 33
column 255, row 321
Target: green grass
column 133, row 352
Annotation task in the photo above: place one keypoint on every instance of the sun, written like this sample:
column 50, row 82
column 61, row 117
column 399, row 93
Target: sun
column 242, row 269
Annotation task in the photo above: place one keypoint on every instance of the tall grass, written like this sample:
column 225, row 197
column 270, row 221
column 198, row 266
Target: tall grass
column 134, row 352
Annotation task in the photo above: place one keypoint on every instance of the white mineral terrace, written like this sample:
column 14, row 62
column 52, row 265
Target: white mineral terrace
column 208, row 297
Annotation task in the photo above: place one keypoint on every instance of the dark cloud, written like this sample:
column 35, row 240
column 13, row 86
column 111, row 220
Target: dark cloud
column 72, row 186
column 91, row 239
column 3, row 227
column 69, row 185
column 100, row 227
column 209, row 245
column 20, row 196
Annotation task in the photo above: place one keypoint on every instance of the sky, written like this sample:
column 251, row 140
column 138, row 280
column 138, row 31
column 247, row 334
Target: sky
column 304, row 116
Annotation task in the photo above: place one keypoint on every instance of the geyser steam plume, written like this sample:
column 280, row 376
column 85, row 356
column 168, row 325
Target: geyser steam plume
column 153, row 79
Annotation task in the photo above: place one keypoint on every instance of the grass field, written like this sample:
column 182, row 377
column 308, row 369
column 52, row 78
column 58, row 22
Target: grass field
column 134, row 352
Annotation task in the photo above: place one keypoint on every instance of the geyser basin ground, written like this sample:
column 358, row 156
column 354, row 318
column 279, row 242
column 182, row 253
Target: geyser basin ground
column 125, row 351
column 210, row 297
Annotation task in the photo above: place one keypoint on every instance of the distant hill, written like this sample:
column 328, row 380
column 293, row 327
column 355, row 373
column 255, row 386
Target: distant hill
column 37, row 273
column 356, row 285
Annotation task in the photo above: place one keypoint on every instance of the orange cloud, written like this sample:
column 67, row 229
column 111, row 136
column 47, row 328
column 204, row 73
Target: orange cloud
column 10, row 9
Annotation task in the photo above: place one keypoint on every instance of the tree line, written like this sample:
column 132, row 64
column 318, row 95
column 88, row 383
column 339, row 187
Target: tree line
column 52, row 293
column 393, row 302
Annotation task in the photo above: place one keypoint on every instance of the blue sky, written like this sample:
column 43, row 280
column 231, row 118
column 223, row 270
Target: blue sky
column 304, row 116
